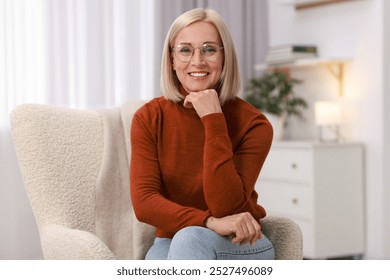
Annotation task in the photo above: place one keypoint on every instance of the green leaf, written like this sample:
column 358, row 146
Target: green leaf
column 273, row 93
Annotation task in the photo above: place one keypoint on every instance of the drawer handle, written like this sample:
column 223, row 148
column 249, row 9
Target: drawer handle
column 295, row 201
column 294, row 165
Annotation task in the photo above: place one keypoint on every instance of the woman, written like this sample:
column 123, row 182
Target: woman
column 197, row 151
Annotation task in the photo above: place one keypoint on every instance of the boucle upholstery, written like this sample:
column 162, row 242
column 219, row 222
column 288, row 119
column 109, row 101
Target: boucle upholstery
column 75, row 167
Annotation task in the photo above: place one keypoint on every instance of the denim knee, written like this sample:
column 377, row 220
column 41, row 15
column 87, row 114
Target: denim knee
column 199, row 243
column 159, row 249
column 192, row 243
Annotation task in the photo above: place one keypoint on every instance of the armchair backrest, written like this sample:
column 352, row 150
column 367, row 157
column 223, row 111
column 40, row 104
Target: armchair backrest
column 59, row 152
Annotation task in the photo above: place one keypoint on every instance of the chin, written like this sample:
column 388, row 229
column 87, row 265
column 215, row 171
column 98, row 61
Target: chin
column 198, row 88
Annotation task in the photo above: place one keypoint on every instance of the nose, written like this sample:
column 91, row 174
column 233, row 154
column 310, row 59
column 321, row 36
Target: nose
column 197, row 58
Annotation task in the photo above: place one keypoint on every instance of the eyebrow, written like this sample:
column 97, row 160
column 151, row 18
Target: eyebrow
column 208, row 42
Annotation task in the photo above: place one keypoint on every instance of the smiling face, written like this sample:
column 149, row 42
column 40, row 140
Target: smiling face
column 198, row 73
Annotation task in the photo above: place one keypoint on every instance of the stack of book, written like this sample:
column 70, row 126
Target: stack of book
column 289, row 53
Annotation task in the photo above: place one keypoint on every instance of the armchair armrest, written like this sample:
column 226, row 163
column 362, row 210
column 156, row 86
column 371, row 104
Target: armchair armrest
column 285, row 235
column 62, row 243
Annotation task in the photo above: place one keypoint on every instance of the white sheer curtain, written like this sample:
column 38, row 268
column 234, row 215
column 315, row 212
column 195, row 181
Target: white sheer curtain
column 78, row 53
column 82, row 54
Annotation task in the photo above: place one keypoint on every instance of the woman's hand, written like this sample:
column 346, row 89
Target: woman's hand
column 242, row 227
column 204, row 102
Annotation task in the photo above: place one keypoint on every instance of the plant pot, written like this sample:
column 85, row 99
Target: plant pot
column 277, row 123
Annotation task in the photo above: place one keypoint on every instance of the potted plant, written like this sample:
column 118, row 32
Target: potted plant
column 273, row 94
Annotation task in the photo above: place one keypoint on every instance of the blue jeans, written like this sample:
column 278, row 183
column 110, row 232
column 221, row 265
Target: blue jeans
column 199, row 243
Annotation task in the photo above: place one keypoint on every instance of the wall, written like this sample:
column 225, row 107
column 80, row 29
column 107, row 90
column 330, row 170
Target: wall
column 351, row 29
column 386, row 117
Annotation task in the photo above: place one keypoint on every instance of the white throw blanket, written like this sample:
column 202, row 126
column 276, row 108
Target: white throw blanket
column 115, row 221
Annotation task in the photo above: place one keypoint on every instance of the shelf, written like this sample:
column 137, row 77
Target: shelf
column 334, row 65
column 304, row 4
column 304, row 62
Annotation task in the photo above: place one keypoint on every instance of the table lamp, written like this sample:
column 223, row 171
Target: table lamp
column 328, row 119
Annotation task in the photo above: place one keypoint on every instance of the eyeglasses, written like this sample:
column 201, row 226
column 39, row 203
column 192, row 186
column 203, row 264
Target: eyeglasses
column 209, row 51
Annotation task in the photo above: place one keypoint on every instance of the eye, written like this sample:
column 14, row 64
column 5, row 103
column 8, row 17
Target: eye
column 185, row 50
column 209, row 49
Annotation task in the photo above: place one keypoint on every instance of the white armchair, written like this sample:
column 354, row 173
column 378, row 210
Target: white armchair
column 75, row 168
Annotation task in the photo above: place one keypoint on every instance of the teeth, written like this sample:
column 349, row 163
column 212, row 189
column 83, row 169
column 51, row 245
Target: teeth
column 198, row 74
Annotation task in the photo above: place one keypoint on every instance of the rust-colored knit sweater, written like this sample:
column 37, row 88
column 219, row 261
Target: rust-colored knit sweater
column 184, row 169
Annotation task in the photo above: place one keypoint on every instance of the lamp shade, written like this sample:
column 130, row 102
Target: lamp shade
column 327, row 113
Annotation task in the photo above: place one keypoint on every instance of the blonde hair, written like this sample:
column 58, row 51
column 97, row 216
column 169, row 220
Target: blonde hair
column 230, row 81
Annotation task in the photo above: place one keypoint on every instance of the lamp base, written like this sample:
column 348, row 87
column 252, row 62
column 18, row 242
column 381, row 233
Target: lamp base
column 328, row 133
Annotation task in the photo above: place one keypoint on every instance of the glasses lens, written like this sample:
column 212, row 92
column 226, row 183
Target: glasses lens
column 184, row 52
column 209, row 51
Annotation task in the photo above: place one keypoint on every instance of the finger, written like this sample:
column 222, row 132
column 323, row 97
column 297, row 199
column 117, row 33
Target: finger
column 251, row 228
column 245, row 239
column 257, row 231
column 235, row 239
column 187, row 103
column 238, row 231
column 241, row 240
column 255, row 237
column 250, row 233
column 247, row 228
column 238, row 234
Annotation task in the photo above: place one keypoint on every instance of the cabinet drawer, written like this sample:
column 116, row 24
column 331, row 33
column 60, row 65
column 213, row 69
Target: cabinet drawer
column 288, row 165
column 286, row 199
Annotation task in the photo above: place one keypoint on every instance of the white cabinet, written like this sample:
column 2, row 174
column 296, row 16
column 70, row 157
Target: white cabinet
column 320, row 187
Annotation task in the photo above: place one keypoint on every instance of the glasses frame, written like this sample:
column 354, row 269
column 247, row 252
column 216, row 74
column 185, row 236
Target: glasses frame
column 193, row 51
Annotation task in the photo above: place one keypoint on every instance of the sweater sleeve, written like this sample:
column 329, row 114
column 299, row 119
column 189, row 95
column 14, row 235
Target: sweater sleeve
column 149, row 203
column 230, row 176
